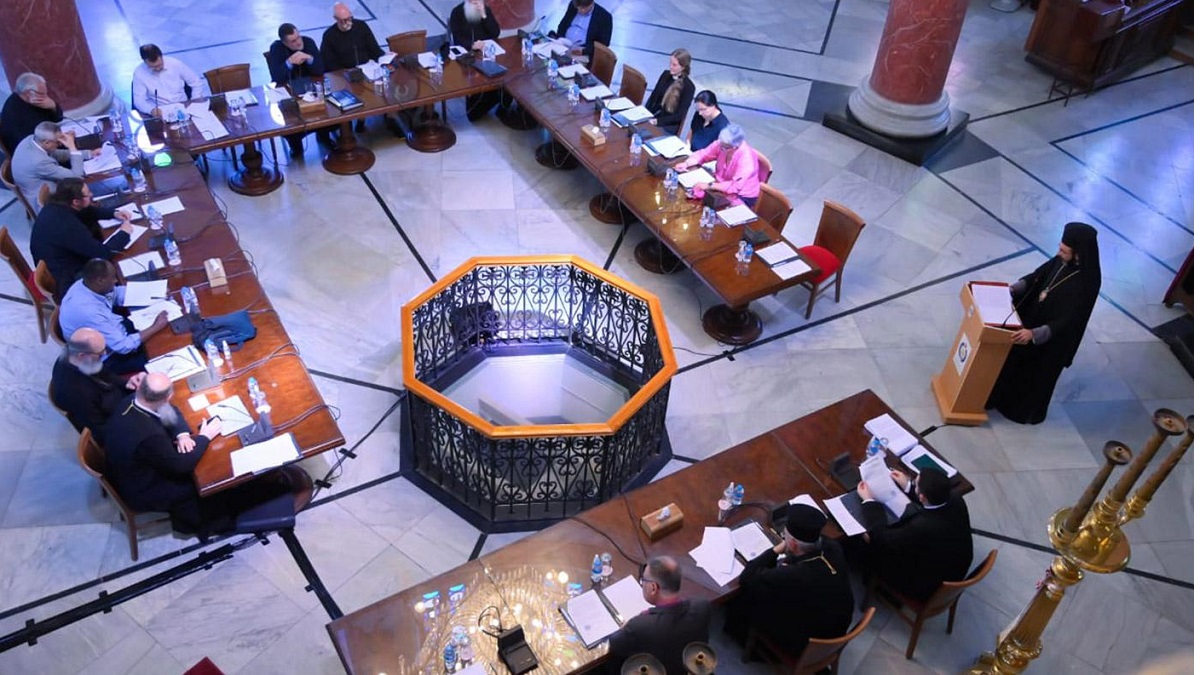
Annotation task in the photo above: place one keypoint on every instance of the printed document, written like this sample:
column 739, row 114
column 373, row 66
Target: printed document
column 688, row 179
column 878, row 477
column 995, row 305
column 260, row 457
column 233, row 413
column 144, row 293
column 625, row 596
column 588, row 615
column 894, row 435
column 177, row 364
column 750, row 541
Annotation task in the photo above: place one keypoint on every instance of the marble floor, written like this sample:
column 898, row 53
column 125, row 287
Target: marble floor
column 330, row 253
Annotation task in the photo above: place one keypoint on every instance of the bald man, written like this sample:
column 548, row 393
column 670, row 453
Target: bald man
column 84, row 387
column 348, row 43
column 671, row 623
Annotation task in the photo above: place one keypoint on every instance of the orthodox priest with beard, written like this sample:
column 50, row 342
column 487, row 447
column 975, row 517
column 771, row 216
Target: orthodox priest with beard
column 472, row 22
column 1054, row 304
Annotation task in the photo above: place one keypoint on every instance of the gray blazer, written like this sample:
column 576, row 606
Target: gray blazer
column 33, row 167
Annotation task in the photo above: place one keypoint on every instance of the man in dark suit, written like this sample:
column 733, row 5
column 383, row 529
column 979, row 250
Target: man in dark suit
column 295, row 58
column 667, row 627
column 585, row 24
column 83, row 387
column 29, row 105
column 798, row 590
column 931, row 542
column 67, row 233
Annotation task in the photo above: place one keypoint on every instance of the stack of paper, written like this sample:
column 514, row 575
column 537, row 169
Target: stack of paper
column 590, row 618
column 618, row 104
column 177, row 364
column 166, row 206
column 715, row 555
column 260, row 457
column 144, row 293
column 626, row 599
column 570, row 71
column 995, row 305
column 246, row 96
column 144, row 317
column 209, row 126
column 750, row 541
column 777, row 253
column 275, row 94
column 107, row 160
column 895, row 436
column 878, row 477
column 550, row 48
column 668, row 146
column 791, row 269
column 140, row 263
column 847, row 511
column 920, row 459
column 737, row 215
column 698, row 175
column 635, row 115
column 596, row 91
column 427, row 60
column 495, row 45
column 233, row 413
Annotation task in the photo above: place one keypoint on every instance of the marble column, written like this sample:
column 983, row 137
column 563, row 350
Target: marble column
column 46, row 37
column 904, row 95
column 511, row 14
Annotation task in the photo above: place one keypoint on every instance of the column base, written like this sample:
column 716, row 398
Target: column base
column 97, row 106
column 917, row 151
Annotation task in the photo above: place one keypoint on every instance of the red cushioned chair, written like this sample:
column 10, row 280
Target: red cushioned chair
column 836, row 235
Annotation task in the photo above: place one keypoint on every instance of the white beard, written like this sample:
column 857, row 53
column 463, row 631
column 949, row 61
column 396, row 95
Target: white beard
column 89, row 367
column 473, row 15
column 168, row 415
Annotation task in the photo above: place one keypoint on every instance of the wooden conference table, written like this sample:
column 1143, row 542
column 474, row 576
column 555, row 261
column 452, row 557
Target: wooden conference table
column 271, row 357
column 526, row 580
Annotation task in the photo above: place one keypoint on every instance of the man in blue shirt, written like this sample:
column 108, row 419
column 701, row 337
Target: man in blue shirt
column 585, row 24
column 89, row 304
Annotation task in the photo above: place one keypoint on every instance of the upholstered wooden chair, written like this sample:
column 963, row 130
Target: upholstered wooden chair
column 836, row 235
column 944, row 599
column 633, row 84
column 43, row 195
column 773, row 207
column 816, row 657
column 764, row 167
column 405, row 44
column 55, row 327
column 228, row 78
column 20, row 267
column 91, row 457
column 604, row 63
column 44, row 282
column 6, row 177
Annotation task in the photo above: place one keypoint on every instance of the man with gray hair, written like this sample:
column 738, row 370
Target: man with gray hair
column 668, row 626
column 29, row 105
column 84, row 387
column 39, row 161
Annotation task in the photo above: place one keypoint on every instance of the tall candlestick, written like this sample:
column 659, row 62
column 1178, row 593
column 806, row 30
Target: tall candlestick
column 1136, row 506
column 1166, row 423
column 1115, row 454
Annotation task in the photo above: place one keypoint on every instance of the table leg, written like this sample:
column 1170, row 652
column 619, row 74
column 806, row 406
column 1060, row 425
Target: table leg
column 254, row 179
column 554, row 155
column 654, row 257
column 431, row 134
column 732, row 325
column 606, row 208
column 515, row 118
column 348, row 157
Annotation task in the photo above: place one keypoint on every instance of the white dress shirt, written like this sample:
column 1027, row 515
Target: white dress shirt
column 151, row 89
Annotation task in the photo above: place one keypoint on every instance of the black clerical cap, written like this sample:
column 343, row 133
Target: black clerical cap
column 805, row 523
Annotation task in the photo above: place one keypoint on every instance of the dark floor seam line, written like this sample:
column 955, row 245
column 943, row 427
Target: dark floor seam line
column 1122, row 188
column 10, row 203
column 1046, row 549
column 1120, row 122
column 360, row 383
column 374, row 482
column 128, row 23
column 837, row 4
column 740, row 106
column 620, row 238
column 370, row 12
column 478, row 546
column 735, row 39
column 1120, row 235
column 1060, row 98
column 720, row 63
column 185, row 50
column 13, row 298
column 432, row 13
column 874, row 303
column 348, row 453
column 689, row 460
column 396, row 224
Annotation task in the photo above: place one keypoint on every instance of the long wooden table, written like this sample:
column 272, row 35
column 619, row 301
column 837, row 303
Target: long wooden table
column 271, row 356
column 526, row 580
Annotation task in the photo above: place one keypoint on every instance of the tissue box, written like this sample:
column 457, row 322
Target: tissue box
column 657, row 529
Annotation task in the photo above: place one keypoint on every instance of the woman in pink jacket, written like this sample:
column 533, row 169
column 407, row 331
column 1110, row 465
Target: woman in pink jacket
column 737, row 167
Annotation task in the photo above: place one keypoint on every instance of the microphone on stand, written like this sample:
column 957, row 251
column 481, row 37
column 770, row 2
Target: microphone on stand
column 355, row 74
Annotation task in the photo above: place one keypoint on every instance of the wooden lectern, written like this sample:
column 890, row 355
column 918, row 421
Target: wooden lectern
column 963, row 386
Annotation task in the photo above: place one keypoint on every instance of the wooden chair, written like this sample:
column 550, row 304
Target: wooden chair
column 764, row 167
column 20, row 267
column 633, row 84
column 944, row 599
column 405, row 44
column 821, row 653
column 44, row 282
column 56, row 330
column 773, row 207
column 836, row 235
column 228, row 78
column 50, row 397
column 91, row 457
column 43, row 195
column 6, row 177
column 604, row 62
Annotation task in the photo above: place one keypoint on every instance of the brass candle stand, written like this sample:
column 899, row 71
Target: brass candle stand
column 1088, row 537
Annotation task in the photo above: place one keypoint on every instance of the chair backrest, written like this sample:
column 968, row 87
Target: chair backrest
column 6, row 177
column 43, row 195
column 838, row 230
column 20, row 266
column 604, row 62
column 228, row 78
column 821, row 652
column 773, row 207
column 43, row 280
column 633, row 84
column 91, row 455
column 764, row 167
column 404, row 44
column 56, row 330
column 50, row 397
column 949, row 591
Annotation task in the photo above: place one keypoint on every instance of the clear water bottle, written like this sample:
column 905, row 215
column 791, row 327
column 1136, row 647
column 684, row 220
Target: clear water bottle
column 328, row 85
column 597, row 570
column 439, row 69
column 214, row 356
column 671, row 182
column 606, row 569
column 225, row 350
column 180, row 119
column 174, row 258
column 876, row 446
column 551, row 72
column 573, row 94
column 635, row 150
column 739, row 493
column 156, row 219
column 137, row 181
column 605, row 119
column 527, row 49
column 728, row 494
column 190, row 304
column 708, row 217
column 744, row 253
column 450, row 656
column 118, row 125
column 255, row 393
column 489, row 52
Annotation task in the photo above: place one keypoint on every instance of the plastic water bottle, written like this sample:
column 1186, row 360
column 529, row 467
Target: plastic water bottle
column 255, row 393
column 439, row 69
column 744, row 253
column 739, row 493
column 671, row 182
column 635, row 150
column 551, row 72
column 328, row 85
column 118, row 126
column 728, row 494
column 605, row 119
column 156, row 220
column 190, row 304
column 225, row 350
column 180, row 119
column 214, row 356
column 137, row 182
column 527, row 49
column 573, row 94
column 489, row 52
column 174, row 258
column 597, row 570
column 876, row 446
column 450, row 656
column 606, row 569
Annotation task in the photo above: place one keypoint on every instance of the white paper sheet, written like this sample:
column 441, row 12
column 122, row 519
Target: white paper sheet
column 145, row 293
column 233, row 413
column 688, row 179
column 275, row 94
column 136, row 233
column 177, row 364
column 669, row 146
column 387, row 58
column 618, row 104
column 591, row 619
column 750, row 541
column 995, row 305
column 246, row 96
column 715, row 555
column 777, row 253
column 625, row 596
column 805, row 499
column 140, row 263
column 209, row 126
column 919, row 459
column 144, row 317
column 166, row 206
column 550, row 48
column 107, row 160
column 885, row 427
column 791, row 269
column 500, row 51
column 569, row 71
column 737, row 215
column 427, row 60
column 130, row 208
column 848, row 523
column 82, row 127
column 635, row 115
column 878, row 477
column 594, row 92
column 263, row 456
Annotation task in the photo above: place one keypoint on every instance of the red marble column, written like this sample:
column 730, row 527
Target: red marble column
column 512, row 13
column 905, row 95
column 46, row 37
